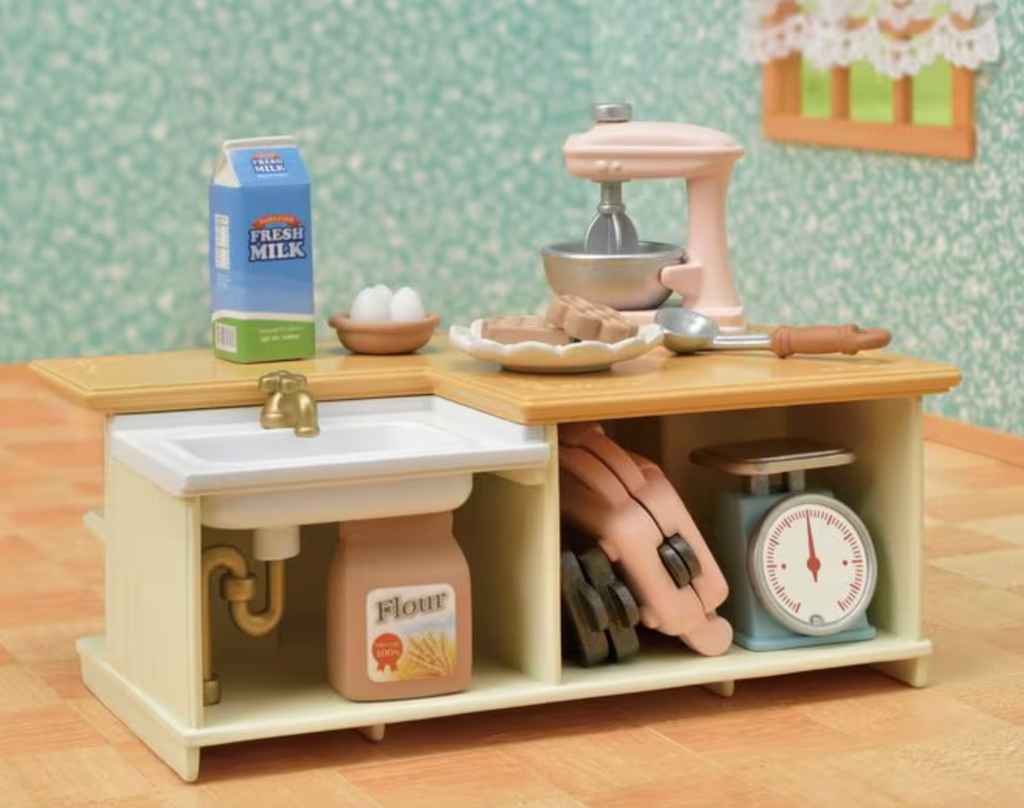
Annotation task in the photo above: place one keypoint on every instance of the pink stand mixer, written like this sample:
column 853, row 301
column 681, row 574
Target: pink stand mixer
column 611, row 265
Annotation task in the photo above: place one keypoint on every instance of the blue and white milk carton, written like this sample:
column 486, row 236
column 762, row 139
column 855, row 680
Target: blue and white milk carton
column 261, row 252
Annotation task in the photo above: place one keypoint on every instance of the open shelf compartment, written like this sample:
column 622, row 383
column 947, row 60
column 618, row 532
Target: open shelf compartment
column 884, row 486
column 278, row 685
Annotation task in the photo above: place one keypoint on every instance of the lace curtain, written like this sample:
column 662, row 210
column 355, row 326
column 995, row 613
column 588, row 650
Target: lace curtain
column 898, row 37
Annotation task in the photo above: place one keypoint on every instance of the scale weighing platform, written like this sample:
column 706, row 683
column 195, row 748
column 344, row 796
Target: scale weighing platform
column 800, row 564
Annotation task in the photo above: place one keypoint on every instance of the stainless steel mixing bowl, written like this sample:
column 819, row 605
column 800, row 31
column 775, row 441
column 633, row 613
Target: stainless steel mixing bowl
column 629, row 282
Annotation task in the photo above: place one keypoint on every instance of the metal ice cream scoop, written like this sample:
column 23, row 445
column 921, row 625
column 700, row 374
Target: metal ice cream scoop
column 688, row 331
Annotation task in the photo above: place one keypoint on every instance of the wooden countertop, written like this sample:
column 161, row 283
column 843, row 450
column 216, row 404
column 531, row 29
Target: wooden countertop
column 659, row 383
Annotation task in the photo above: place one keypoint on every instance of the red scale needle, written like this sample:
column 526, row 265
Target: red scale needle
column 813, row 562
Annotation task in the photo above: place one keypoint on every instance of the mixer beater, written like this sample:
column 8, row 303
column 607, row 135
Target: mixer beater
column 611, row 231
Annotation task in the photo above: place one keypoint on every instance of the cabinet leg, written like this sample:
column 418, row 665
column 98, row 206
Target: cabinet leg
column 135, row 711
column 189, row 765
column 723, row 689
column 375, row 732
column 182, row 760
column 913, row 672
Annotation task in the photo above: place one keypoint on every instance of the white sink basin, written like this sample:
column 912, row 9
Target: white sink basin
column 244, row 445
column 375, row 457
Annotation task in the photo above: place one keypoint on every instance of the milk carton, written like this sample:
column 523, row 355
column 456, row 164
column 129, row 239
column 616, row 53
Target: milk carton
column 261, row 252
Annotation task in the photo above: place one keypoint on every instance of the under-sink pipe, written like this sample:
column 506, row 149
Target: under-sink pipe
column 240, row 593
column 238, row 587
column 272, row 543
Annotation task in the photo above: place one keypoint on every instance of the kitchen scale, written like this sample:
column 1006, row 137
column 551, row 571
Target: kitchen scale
column 800, row 564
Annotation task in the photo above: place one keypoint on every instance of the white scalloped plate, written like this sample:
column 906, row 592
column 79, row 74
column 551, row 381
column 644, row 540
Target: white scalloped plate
column 536, row 357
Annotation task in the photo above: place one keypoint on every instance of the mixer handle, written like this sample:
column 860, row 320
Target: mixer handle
column 686, row 279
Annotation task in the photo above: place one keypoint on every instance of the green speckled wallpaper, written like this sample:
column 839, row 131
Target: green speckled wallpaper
column 432, row 131
column 932, row 249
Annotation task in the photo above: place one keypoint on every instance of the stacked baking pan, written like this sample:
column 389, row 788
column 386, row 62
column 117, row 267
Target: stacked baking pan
column 632, row 555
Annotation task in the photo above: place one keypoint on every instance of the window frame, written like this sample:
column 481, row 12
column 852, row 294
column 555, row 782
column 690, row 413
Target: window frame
column 783, row 120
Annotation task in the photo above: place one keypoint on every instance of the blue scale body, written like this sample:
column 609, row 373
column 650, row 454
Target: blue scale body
column 736, row 523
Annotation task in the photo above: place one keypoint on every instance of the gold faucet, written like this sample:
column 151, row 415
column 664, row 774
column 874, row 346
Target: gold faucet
column 290, row 404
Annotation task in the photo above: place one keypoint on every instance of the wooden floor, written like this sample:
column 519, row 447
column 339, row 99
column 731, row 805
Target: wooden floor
column 849, row 738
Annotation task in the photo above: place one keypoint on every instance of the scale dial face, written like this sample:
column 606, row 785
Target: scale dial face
column 812, row 564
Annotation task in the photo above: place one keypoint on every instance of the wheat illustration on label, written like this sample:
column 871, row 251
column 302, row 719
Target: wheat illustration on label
column 411, row 633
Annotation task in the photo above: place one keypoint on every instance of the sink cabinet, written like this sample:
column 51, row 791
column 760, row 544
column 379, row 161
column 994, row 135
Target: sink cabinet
column 147, row 667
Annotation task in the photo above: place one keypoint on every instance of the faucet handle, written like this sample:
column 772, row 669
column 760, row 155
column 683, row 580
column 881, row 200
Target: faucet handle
column 271, row 382
column 292, row 382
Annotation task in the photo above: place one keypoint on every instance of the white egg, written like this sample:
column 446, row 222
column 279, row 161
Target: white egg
column 406, row 305
column 369, row 304
column 384, row 290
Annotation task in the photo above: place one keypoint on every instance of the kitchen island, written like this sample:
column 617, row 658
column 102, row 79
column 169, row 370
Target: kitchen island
column 147, row 667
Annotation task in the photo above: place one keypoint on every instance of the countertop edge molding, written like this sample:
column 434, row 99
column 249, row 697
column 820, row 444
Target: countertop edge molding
column 592, row 408
column 130, row 399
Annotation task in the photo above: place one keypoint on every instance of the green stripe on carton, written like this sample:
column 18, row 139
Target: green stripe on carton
column 266, row 340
